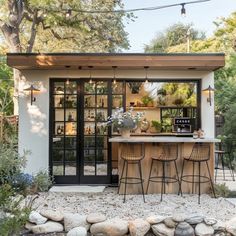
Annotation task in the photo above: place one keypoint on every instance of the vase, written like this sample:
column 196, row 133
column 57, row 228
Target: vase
column 125, row 133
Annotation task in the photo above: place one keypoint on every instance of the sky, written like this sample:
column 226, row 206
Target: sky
column 148, row 23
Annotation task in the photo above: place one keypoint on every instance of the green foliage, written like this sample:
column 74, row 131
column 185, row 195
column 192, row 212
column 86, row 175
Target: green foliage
column 14, row 216
column 6, row 89
column 221, row 190
column 43, row 181
column 11, row 163
column 173, row 35
column 45, row 27
column 146, row 100
column 157, row 125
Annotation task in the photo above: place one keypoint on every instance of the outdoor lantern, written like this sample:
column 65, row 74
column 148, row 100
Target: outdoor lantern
column 210, row 91
column 32, row 89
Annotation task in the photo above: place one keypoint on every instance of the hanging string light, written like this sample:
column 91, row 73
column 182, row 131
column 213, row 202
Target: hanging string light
column 67, row 82
column 183, row 10
column 114, row 74
column 146, row 71
column 90, row 75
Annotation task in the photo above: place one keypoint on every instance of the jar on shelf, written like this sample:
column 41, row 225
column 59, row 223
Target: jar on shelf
column 195, row 134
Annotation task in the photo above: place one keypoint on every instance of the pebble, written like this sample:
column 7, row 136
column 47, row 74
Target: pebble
column 202, row 229
column 95, row 218
column 48, row 227
column 210, row 221
column 193, row 220
column 169, row 222
column 184, row 229
column 36, row 218
column 155, row 219
column 77, row 231
column 138, row 227
column 162, row 230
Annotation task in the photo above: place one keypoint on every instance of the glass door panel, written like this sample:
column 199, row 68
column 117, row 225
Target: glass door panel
column 64, row 131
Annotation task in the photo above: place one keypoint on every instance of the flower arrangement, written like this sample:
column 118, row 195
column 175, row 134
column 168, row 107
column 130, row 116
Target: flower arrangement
column 125, row 120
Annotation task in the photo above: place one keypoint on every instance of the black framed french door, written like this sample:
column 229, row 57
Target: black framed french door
column 79, row 151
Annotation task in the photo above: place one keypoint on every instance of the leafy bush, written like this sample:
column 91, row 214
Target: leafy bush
column 14, row 216
column 221, row 190
column 11, row 163
column 42, row 181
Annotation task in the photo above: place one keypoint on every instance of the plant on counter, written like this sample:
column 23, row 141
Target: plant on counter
column 157, row 125
column 125, row 120
column 147, row 100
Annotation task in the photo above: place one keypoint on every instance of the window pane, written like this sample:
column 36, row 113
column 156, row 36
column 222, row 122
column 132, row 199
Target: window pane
column 70, row 169
column 57, row 169
column 70, row 155
column 58, row 155
column 89, row 168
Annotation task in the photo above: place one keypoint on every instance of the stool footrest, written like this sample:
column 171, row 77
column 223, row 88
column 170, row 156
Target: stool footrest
column 203, row 179
column 128, row 180
column 158, row 179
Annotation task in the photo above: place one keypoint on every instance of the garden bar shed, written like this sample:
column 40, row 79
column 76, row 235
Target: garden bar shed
column 65, row 99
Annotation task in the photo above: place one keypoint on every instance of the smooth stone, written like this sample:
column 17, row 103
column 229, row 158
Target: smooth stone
column 113, row 227
column 29, row 225
column 36, row 218
column 210, row 221
column 75, row 220
column 193, row 220
column 219, row 226
column 77, row 231
column 162, row 230
column 179, row 217
column 169, row 222
column 230, row 226
column 48, row 227
column 95, row 218
column 155, row 219
column 52, row 215
column 184, row 229
column 202, row 229
column 138, row 227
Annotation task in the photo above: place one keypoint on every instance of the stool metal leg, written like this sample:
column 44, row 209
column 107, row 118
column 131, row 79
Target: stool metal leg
column 231, row 168
column 181, row 177
column 193, row 178
column 217, row 166
column 177, row 176
column 223, row 164
column 141, row 179
column 199, row 183
column 212, row 186
column 150, row 172
column 126, row 175
column 162, row 179
column 122, row 173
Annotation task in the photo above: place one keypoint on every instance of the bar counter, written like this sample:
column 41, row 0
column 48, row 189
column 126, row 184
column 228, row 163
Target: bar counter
column 152, row 148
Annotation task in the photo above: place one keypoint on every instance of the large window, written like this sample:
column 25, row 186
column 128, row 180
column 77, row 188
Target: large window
column 163, row 103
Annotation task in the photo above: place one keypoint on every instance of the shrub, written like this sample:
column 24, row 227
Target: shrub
column 43, row 181
column 14, row 216
column 221, row 190
column 11, row 163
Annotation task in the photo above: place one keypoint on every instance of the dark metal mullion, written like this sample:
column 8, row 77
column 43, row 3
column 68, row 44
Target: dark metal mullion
column 64, row 133
column 109, row 131
column 95, row 127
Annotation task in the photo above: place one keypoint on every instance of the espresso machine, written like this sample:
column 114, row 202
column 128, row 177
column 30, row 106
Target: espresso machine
column 182, row 125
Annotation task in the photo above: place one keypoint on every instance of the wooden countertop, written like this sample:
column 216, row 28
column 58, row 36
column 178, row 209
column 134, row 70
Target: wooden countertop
column 162, row 140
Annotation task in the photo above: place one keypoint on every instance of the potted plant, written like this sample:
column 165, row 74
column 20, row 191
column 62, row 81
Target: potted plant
column 124, row 121
column 156, row 126
column 147, row 101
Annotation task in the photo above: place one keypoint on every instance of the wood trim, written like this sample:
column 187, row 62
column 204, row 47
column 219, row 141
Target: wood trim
column 124, row 61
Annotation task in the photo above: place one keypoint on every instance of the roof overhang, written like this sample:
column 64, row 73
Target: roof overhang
column 61, row 61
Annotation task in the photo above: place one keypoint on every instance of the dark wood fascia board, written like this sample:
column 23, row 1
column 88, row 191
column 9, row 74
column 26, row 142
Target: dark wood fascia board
column 125, row 61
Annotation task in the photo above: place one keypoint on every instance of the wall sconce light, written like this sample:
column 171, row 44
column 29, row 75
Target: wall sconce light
column 210, row 90
column 32, row 89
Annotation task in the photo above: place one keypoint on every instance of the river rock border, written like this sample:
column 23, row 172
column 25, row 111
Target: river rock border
column 50, row 221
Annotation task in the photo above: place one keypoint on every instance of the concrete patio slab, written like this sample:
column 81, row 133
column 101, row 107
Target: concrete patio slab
column 232, row 200
column 77, row 189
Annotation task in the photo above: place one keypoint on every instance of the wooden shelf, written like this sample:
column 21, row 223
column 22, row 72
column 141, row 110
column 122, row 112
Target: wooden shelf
column 143, row 108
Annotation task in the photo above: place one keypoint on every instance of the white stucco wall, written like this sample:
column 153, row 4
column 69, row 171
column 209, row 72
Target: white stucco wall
column 34, row 120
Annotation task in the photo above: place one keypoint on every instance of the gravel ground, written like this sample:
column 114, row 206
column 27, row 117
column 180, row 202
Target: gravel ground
column 111, row 204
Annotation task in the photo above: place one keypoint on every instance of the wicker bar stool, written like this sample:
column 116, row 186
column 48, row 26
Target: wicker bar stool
column 200, row 154
column 132, row 154
column 223, row 156
column 169, row 154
